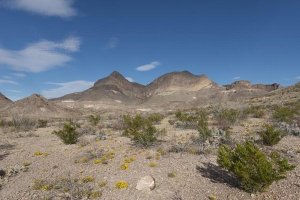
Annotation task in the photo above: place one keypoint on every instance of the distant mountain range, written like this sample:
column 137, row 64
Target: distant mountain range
column 175, row 88
column 117, row 87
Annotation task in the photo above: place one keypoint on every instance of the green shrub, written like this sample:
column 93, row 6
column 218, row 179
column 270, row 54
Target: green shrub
column 283, row 114
column 42, row 123
column 155, row 117
column 270, row 135
column 255, row 170
column 68, row 134
column 94, row 119
column 202, row 123
column 140, row 130
column 226, row 118
column 255, row 111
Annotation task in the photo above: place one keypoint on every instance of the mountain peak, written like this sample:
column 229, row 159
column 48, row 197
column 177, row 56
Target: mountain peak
column 116, row 74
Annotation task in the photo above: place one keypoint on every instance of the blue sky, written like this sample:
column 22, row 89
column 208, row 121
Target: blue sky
column 53, row 47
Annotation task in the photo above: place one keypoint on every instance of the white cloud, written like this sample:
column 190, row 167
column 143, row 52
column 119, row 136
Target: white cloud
column 19, row 75
column 130, row 79
column 6, row 77
column 236, row 78
column 66, row 88
column 58, row 8
column 5, row 81
column 112, row 43
column 148, row 67
column 40, row 56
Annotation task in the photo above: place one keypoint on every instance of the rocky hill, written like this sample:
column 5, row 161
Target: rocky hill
column 115, row 87
column 4, row 101
column 37, row 106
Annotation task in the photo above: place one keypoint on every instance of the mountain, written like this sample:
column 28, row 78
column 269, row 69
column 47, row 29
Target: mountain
column 178, row 81
column 246, row 85
column 4, row 101
column 115, row 87
column 37, row 106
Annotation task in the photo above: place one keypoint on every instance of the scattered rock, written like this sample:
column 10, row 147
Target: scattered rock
column 2, row 173
column 146, row 183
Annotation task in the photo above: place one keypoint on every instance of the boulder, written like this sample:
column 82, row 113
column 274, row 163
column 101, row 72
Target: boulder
column 146, row 183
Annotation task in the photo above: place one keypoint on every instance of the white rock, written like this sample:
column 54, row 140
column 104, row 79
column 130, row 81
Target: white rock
column 146, row 183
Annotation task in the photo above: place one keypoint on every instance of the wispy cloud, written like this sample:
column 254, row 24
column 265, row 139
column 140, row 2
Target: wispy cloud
column 5, row 81
column 58, row 8
column 112, row 43
column 19, row 75
column 236, row 78
column 66, row 88
column 40, row 56
column 130, row 79
column 14, row 91
column 148, row 67
column 298, row 77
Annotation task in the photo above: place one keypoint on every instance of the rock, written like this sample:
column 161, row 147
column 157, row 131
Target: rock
column 146, row 183
column 2, row 173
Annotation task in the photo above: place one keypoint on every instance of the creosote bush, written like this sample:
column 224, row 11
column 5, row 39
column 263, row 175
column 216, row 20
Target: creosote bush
column 283, row 114
column 94, row 119
column 202, row 123
column 140, row 129
column 225, row 118
column 68, row 133
column 255, row 170
column 155, row 117
column 270, row 135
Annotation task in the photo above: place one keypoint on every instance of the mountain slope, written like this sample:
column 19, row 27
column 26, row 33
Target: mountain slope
column 115, row 87
column 4, row 101
column 37, row 106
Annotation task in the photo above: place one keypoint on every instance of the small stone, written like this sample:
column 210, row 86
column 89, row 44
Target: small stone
column 146, row 183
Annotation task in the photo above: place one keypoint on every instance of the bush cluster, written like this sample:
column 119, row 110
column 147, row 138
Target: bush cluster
column 284, row 114
column 270, row 135
column 140, row 129
column 225, row 118
column 94, row 119
column 68, row 133
column 255, row 111
column 254, row 169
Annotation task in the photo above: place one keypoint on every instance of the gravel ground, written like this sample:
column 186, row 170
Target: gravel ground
column 196, row 176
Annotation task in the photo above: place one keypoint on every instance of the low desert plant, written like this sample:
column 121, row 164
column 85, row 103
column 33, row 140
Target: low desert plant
column 42, row 123
column 283, row 114
column 202, row 122
column 155, row 117
column 225, row 118
column 171, row 174
column 122, row 185
column 140, row 130
column 270, row 135
column 68, row 134
column 255, row 170
column 254, row 111
column 94, row 119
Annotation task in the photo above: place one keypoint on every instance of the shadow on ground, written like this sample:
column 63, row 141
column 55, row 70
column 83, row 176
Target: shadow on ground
column 217, row 175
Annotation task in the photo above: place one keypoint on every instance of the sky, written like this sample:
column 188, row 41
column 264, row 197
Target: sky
column 55, row 47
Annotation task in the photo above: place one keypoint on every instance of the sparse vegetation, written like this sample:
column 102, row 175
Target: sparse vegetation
column 254, row 169
column 68, row 134
column 94, row 119
column 140, row 130
column 270, row 135
column 283, row 114
column 122, row 185
column 255, row 111
column 171, row 174
column 42, row 123
column 225, row 118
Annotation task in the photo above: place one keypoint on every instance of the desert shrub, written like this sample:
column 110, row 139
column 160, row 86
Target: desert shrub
column 21, row 123
column 270, row 135
column 155, row 117
column 122, row 185
column 202, row 122
column 255, row 111
column 94, row 119
column 283, row 114
column 140, row 130
column 42, row 123
column 254, row 169
column 68, row 133
column 226, row 118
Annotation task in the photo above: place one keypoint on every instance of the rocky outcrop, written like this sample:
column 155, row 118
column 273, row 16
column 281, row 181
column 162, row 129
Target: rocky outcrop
column 246, row 85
